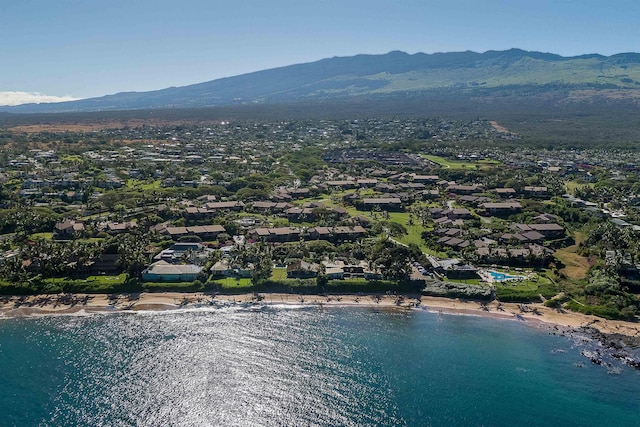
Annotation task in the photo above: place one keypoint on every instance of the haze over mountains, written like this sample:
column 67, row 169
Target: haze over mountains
column 390, row 75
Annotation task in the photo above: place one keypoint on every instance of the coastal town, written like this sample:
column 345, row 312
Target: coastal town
column 459, row 209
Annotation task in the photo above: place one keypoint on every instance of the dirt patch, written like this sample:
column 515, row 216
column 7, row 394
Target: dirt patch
column 61, row 127
column 499, row 128
column 575, row 266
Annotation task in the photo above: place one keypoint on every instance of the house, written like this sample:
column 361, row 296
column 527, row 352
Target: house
column 512, row 237
column 9, row 255
column 162, row 271
column 548, row 229
column 269, row 207
column 207, row 198
column 399, row 177
column 545, row 218
column 302, row 270
column 175, row 232
column 120, row 227
column 382, row 203
column 344, row 184
column 443, row 221
column 68, row 229
column 206, row 232
column 236, row 206
column 196, row 252
column 462, row 189
column 193, row 212
column 533, row 236
column 278, row 234
column 367, row 183
column 437, row 212
column 504, row 193
column 425, row 179
column 458, row 213
column 333, row 272
column 384, row 187
column 620, row 222
column 462, row 272
column 430, row 194
column 412, row 186
column 299, row 193
column 339, row 212
column 202, row 231
column 518, row 256
column 467, row 199
column 342, row 233
column 105, row 264
column 281, row 195
column 501, row 208
column 536, row 191
column 225, row 268
column 353, row 271
column 110, row 182
column 453, row 268
column 72, row 196
column 299, row 214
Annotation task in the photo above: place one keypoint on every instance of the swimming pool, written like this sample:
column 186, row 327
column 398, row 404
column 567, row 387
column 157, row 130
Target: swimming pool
column 501, row 277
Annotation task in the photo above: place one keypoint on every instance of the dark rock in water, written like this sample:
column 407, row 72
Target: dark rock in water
column 593, row 356
column 633, row 363
column 615, row 346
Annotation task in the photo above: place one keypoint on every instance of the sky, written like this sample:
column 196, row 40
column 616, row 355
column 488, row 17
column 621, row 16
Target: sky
column 68, row 49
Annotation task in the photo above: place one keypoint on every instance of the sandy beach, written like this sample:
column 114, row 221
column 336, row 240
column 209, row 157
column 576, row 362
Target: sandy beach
column 38, row 305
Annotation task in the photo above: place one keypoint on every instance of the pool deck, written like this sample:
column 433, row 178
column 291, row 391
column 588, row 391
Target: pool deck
column 486, row 276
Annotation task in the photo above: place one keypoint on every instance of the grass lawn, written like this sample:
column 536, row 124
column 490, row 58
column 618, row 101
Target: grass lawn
column 137, row 184
column 92, row 284
column 278, row 273
column 453, row 164
column 489, row 162
column 414, row 232
column 323, row 198
column 233, row 283
column 44, row 236
column 71, row 158
column 110, row 280
column 570, row 186
column 466, row 281
column 576, row 267
column 527, row 290
column 90, row 240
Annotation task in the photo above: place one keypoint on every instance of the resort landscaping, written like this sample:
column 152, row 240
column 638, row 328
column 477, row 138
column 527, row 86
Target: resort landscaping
column 319, row 207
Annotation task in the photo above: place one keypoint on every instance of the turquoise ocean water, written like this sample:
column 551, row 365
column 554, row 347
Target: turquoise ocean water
column 303, row 367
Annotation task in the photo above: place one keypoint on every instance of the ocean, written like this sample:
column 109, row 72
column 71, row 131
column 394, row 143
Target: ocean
column 304, row 366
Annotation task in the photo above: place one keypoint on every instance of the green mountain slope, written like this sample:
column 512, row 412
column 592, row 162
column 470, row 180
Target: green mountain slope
column 375, row 75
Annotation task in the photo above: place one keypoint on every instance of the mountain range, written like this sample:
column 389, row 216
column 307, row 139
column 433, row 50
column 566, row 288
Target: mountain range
column 389, row 75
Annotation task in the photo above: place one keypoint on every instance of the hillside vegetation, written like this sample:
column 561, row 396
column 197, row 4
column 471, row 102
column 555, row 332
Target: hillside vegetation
column 376, row 75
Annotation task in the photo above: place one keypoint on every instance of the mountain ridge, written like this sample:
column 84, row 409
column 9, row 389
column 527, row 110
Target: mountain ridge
column 368, row 74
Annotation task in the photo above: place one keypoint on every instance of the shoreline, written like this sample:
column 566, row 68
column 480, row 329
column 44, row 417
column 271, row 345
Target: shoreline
column 61, row 304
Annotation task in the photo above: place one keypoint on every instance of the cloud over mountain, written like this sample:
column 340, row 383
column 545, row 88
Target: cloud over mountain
column 11, row 98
